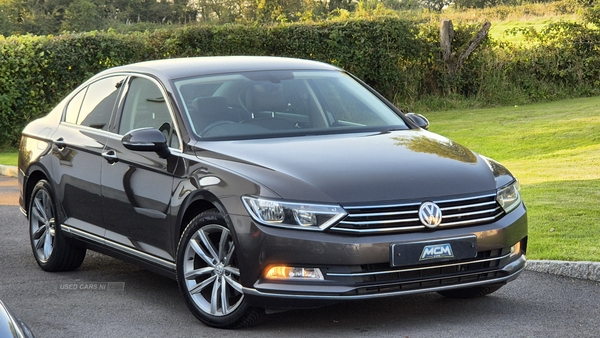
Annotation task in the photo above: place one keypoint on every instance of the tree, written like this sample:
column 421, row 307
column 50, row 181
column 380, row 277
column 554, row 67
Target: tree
column 340, row 4
column 81, row 16
column 28, row 16
column 455, row 60
column 481, row 3
column 399, row 5
column 7, row 23
column 436, row 5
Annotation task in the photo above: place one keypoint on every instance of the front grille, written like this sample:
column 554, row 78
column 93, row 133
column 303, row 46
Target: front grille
column 380, row 278
column 405, row 217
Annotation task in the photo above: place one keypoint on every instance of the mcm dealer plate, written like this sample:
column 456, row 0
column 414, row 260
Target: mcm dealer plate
column 449, row 249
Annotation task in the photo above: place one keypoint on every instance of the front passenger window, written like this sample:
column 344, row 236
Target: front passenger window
column 145, row 106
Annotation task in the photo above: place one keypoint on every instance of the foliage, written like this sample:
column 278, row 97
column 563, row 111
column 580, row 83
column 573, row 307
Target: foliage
column 22, row 85
column 481, row 3
column 401, row 58
column 592, row 15
column 37, row 71
column 41, row 17
column 563, row 56
column 402, row 5
column 436, row 5
column 81, row 16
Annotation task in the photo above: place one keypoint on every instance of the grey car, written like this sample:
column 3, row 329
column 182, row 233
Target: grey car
column 265, row 183
column 11, row 325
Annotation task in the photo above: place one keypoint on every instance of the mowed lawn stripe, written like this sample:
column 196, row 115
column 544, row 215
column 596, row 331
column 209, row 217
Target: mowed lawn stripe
column 554, row 150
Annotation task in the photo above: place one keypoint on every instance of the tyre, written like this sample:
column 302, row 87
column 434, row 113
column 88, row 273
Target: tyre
column 209, row 276
column 473, row 292
column 52, row 251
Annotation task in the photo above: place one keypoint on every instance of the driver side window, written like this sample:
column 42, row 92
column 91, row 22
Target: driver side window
column 145, row 106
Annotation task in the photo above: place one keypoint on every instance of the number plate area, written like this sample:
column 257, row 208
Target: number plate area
column 450, row 249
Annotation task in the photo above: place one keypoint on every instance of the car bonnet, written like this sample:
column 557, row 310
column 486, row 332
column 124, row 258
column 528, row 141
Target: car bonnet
column 357, row 167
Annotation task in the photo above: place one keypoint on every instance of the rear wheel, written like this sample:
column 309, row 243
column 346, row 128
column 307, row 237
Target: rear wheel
column 208, row 274
column 473, row 292
column 52, row 251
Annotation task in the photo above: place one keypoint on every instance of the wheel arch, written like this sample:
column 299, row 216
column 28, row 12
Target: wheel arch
column 195, row 204
column 35, row 173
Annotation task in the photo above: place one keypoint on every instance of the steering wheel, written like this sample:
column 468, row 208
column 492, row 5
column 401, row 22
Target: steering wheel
column 215, row 124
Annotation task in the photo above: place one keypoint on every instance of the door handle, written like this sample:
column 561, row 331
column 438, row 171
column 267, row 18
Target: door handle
column 110, row 156
column 60, row 143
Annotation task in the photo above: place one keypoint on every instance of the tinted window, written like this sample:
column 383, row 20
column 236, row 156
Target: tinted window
column 74, row 107
column 345, row 104
column 145, row 106
column 99, row 102
column 265, row 104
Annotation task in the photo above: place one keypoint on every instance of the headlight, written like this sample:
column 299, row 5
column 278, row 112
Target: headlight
column 507, row 186
column 508, row 196
column 293, row 215
column 501, row 174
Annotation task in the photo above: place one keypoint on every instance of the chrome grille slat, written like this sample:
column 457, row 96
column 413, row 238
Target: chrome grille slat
column 383, row 230
column 382, row 222
column 383, row 206
column 476, row 221
column 386, row 214
column 470, row 213
column 471, row 206
column 373, row 219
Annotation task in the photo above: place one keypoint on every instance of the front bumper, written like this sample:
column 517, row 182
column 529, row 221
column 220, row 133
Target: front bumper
column 358, row 267
column 338, row 293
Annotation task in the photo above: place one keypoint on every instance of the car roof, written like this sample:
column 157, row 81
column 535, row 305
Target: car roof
column 195, row 66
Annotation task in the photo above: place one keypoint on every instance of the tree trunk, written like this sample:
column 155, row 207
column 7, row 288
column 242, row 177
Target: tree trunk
column 446, row 36
column 453, row 63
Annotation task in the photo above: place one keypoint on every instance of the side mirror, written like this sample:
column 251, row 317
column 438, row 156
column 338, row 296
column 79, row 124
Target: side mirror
column 420, row 120
column 147, row 139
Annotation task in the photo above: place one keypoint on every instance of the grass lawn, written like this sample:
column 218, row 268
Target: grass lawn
column 554, row 150
column 505, row 18
column 8, row 158
column 499, row 30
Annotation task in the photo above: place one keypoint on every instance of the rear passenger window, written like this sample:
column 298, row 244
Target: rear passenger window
column 93, row 106
column 74, row 107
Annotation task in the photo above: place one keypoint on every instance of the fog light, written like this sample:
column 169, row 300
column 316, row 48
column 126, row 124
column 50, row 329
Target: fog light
column 515, row 249
column 288, row 272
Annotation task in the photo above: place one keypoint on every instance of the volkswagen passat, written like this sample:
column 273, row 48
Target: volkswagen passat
column 265, row 183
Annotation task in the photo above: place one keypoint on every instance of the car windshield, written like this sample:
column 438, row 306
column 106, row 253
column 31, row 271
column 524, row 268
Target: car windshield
column 277, row 103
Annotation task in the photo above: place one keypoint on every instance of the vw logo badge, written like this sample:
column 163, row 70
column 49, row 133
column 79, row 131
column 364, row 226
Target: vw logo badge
column 430, row 214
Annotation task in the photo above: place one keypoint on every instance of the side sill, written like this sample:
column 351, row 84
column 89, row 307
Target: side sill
column 122, row 252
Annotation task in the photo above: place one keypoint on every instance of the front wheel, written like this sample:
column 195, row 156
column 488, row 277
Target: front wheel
column 209, row 276
column 52, row 251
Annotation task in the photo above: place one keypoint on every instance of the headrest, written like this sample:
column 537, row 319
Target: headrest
column 266, row 96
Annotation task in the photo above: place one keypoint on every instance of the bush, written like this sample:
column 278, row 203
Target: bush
column 400, row 58
column 23, row 86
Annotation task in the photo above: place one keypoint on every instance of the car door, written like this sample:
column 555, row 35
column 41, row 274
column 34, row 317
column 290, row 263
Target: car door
column 78, row 144
column 137, row 185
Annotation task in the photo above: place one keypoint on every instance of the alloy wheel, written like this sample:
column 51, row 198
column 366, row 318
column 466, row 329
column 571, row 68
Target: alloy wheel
column 42, row 225
column 210, row 271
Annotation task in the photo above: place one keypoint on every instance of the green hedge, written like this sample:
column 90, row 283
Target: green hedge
column 37, row 72
column 398, row 57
